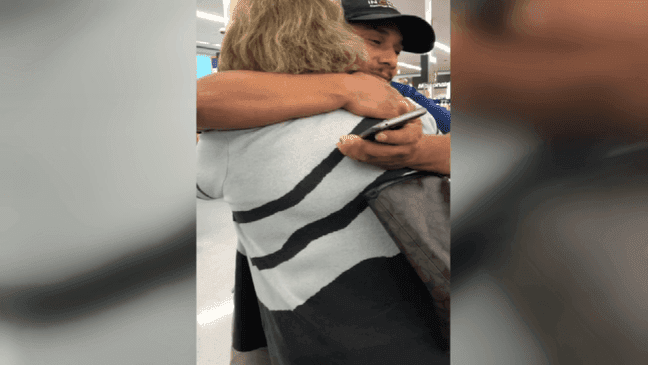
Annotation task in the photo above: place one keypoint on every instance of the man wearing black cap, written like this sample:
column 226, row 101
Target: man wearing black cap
column 418, row 35
column 245, row 99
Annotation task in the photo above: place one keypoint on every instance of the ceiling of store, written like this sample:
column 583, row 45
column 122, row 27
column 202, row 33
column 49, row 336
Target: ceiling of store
column 209, row 31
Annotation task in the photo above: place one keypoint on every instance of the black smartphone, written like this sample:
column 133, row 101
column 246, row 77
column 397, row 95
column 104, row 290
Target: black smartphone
column 390, row 124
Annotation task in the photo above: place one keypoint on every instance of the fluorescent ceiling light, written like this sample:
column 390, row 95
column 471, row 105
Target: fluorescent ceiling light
column 212, row 17
column 442, row 47
column 403, row 64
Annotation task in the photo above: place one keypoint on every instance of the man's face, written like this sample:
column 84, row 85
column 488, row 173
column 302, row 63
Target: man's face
column 383, row 45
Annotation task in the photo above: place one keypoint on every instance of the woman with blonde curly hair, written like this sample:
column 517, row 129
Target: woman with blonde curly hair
column 318, row 279
column 293, row 37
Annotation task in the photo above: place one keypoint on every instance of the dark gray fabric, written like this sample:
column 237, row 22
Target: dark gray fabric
column 378, row 312
column 415, row 210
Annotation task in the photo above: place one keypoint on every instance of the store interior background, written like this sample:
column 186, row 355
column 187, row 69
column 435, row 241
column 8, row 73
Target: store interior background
column 432, row 79
column 216, row 238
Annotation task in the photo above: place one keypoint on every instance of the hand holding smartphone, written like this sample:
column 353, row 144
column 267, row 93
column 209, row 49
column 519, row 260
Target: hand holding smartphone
column 391, row 124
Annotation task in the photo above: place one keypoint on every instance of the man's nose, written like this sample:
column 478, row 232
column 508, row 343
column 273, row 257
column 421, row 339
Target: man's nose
column 389, row 58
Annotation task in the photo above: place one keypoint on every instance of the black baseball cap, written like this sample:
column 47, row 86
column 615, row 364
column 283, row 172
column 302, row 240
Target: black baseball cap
column 418, row 35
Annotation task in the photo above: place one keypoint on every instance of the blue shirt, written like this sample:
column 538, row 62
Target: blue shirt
column 440, row 114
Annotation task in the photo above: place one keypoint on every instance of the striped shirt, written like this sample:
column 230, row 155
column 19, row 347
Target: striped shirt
column 329, row 280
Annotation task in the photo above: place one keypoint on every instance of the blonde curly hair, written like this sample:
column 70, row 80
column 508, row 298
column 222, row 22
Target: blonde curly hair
column 290, row 36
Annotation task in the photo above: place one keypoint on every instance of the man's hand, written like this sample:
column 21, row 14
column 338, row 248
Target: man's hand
column 406, row 147
column 371, row 96
column 392, row 150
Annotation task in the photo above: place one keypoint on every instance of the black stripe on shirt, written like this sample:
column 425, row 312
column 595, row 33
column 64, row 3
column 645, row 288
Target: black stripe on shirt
column 335, row 221
column 304, row 187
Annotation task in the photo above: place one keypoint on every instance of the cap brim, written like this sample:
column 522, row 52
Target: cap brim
column 418, row 35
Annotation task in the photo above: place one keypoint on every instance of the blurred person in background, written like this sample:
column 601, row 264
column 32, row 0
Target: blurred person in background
column 551, row 169
column 332, row 287
column 239, row 99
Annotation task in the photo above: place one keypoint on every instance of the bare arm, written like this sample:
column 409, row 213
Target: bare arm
column 248, row 99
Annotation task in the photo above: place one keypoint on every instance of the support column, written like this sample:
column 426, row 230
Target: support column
column 425, row 58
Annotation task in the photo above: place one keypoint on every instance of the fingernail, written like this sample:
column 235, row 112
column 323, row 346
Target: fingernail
column 381, row 137
column 346, row 139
